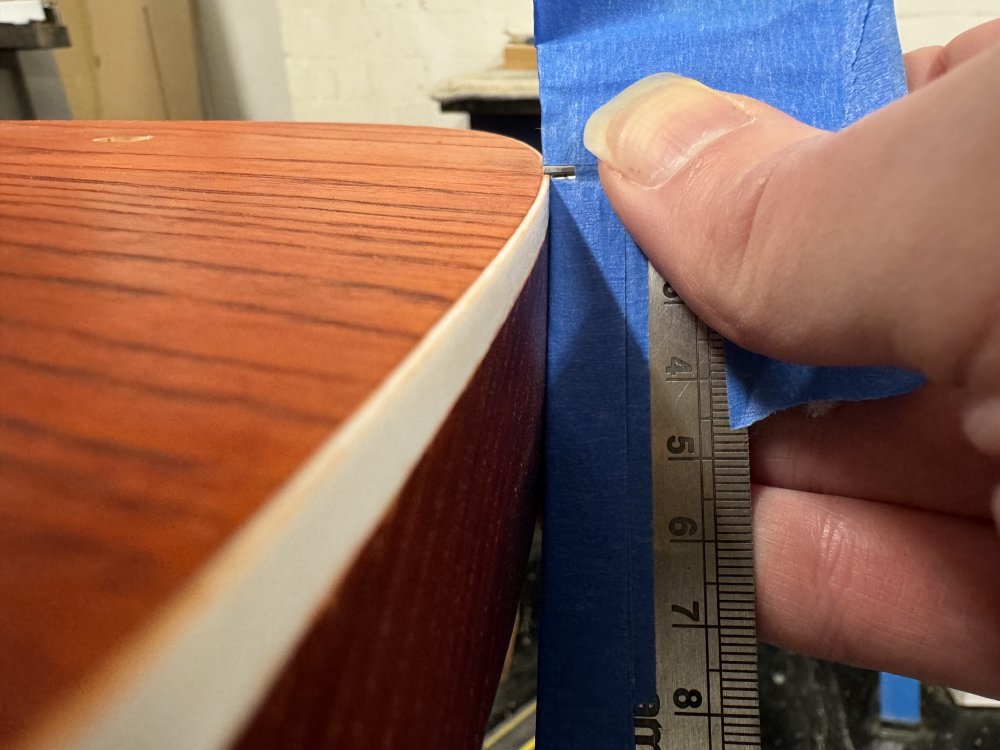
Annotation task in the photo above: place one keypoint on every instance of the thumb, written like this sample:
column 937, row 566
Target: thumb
column 873, row 245
column 686, row 167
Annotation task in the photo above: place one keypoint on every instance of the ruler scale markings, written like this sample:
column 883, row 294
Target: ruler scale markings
column 704, row 548
column 706, row 654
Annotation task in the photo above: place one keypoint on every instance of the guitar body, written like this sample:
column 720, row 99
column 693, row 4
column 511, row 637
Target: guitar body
column 269, row 431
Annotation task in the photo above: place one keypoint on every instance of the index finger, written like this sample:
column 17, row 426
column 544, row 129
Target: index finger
column 930, row 63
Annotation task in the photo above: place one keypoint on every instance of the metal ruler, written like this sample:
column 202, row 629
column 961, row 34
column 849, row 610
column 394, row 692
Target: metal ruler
column 706, row 642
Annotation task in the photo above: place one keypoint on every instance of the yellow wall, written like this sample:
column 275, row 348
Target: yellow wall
column 130, row 59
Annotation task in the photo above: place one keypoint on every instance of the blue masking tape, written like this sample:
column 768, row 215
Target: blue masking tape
column 824, row 62
column 899, row 699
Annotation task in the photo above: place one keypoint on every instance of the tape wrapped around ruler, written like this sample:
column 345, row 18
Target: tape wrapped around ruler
column 826, row 62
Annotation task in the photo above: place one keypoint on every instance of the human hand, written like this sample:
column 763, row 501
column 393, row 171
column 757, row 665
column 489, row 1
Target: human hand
column 876, row 245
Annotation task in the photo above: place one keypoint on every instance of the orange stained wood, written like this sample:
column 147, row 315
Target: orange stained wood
column 187, row 311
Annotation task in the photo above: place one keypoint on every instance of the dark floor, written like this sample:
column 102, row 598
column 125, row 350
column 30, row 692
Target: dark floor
column 519, row 686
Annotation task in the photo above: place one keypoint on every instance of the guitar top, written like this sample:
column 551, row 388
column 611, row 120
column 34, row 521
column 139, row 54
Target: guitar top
column 224, row 347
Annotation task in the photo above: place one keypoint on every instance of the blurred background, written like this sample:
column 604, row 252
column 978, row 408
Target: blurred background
column 453, row 63
column 313, row 60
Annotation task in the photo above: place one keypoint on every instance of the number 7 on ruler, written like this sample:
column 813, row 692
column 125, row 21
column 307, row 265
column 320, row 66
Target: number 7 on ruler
column 706, row 643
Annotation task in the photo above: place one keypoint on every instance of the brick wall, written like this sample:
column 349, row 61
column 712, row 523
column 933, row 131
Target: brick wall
column 377, row 60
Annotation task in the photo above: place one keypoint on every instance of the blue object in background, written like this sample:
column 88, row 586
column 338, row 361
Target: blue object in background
column 899, row 699
column 826, row 62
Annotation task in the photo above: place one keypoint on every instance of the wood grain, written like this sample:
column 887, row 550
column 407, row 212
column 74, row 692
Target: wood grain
column 184, row 320
column 409, row 655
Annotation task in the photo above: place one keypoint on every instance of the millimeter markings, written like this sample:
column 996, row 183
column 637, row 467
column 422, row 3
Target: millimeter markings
column 706, row 647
